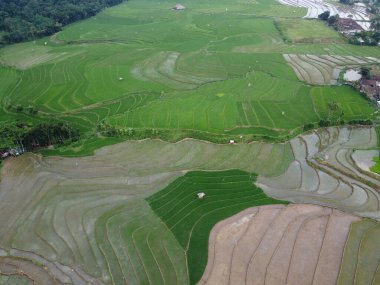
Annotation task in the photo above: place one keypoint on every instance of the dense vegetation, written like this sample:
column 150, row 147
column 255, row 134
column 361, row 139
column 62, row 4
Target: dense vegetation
column 191, row 219
column 22, row 20
column 22, row 135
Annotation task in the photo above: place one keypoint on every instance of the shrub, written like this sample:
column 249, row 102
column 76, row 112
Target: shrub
column 324, row 16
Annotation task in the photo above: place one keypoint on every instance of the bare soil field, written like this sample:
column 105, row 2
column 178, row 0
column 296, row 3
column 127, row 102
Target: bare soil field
column 295, row 244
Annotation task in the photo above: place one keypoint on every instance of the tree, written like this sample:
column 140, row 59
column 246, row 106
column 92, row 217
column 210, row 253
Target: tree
column 324, row 16
column 22, row 20
column 19, row 108
column 365, row 72
column 333, row 19
column 16, row 134
column 347, row 2
column 375, row 24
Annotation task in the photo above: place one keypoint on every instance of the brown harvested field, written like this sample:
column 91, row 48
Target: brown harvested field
column 277, row 244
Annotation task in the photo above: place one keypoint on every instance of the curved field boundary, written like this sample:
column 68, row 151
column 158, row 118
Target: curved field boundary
column 324, row 173
column 277, row 244
column 162, row 68
column 322, row 69
column 28, row 272
column 361, row 254
column 358, row 13
column 191, row 219
column 88, row 213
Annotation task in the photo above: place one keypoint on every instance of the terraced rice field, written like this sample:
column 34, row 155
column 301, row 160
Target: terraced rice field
column 324, row 69
column 364, row 159
column 324, row 172
column 314, row 8
column 17, row 271
column 215, row 68
column 86, row 220
column 191, row 219
column 360, row 262
column 295, row 244
column 308, row 31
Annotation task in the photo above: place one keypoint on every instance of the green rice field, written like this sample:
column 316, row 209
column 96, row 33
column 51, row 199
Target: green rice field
column 115, row 212
column 191, row 219
column 309, row 31
column 215, row 67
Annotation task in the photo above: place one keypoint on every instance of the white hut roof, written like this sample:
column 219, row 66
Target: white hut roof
column 201, row 195
column 179, row 6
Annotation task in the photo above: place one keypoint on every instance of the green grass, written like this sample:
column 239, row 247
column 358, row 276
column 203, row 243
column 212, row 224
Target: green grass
column 173, row 65
column 14, row 280
column 361, row 254
column 376, row 167
column 309, row 31
column 137, row 248
column 349, row 101
column 191, row 219
column 84, row 147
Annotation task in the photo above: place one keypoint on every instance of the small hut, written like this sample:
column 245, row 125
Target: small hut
column 179, row 7
column 201, row 195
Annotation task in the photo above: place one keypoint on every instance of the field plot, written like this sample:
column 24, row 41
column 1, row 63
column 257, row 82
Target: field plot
column 257, row 100
column 162, row 68
column 346, row 99
column 317, row 7
column 18, row 272
column 14, row 280
column 324, row 69
column 364, row 159
column 308, row 31
column 325, row 173
column 214, row 68
column 86, row 220
column 277, row 244
column 191, row 219
column 360, row 264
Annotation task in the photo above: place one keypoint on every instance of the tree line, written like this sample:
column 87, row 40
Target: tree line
column 21, row 135
column 22, row 20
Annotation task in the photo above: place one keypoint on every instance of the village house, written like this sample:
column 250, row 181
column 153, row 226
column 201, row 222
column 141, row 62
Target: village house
column 348, row 26
column 371, row 87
